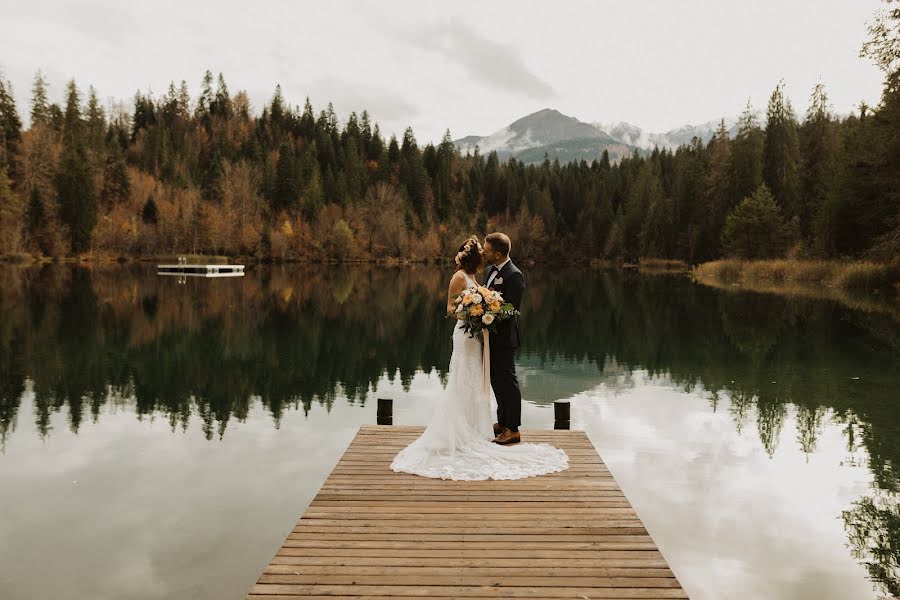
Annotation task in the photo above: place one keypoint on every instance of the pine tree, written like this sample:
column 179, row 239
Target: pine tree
column 74, row 181
column 96, row 121
column 717, row 197
column 150, row 213
column 307, row 120
column 756, row 228
column 206, row 99
column 10, row 124
column 442, row 181
column 883, row 215
column 747, row 154
column 412, row 173
column 34, row 216
column 393, row 152
column 781, row 152
column 646, row 190
column 818, row 138
column 221, row 105
column 312, row 193
column 40, row 107
column 287, row 182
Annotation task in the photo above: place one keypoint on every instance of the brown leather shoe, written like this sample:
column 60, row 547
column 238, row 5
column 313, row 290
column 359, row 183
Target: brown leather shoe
column 497, row 429
column 507, row 437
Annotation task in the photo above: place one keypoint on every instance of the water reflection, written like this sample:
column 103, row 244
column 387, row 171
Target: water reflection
column 80, row 342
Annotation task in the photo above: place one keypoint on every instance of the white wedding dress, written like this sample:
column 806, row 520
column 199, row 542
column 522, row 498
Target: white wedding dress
column 458, row 442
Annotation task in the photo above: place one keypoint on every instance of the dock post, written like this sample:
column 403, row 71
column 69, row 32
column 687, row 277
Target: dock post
column 385, row 411
column 561, row 414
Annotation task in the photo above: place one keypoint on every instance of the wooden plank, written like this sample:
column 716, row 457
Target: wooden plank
column 373, row 533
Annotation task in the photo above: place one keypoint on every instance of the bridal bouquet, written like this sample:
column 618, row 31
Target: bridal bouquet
column 480, row 308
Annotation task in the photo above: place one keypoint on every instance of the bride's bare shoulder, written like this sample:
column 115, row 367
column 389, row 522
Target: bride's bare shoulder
column 458, row 279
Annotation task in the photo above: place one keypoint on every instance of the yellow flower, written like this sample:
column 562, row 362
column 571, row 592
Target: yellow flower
column 494, row 306
column 484, row 291
column 467, row 299
column 477, row 310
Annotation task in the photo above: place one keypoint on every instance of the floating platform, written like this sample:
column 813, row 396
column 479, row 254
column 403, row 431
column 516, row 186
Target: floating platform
column 201, row 270
column 373, row 533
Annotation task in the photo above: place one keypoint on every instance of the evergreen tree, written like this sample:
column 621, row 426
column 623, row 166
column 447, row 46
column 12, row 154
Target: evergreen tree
column 307, row 120
column 312, row 193
column 95, row 121
column 756, row 228
column 781, row 152
column 74, row 181
column 747, row 154
column 287, row 182
column 647, row 190
column 882, row 209
column 412, row 174
column 818, row 138
column 393, row 152
column 150, row 212
column 221, row 105
column 10, row 124
column 442, row 179
column 34, row 216
column 717, row 196
column 40, row 106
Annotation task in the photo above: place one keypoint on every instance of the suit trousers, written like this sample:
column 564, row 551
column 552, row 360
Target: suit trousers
column 506, row 385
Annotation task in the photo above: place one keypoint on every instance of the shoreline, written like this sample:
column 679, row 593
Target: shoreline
column 789, row 273
column 865, row 286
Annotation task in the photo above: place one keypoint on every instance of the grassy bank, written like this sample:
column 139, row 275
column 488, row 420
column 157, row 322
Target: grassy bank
column 857, row 276
column 863, row 286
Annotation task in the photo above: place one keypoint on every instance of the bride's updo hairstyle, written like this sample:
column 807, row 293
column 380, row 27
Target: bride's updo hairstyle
column 469, row 256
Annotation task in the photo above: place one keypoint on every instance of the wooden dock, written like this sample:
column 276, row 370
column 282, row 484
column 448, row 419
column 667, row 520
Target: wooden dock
column 195, row 270
column 373, row 533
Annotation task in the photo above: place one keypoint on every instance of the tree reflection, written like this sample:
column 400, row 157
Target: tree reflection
column 873, row 531
column 291, row 338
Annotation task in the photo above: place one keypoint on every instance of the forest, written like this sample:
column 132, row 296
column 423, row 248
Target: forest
column 175, row 174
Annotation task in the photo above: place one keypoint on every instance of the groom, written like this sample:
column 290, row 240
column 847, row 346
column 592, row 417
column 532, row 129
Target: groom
column 502, row 275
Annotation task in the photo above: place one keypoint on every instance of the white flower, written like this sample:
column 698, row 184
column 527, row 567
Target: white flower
column 487, row 318
column 460, row 308
column 476, row 299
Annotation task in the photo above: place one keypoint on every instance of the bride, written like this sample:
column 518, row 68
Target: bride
column 458, row 442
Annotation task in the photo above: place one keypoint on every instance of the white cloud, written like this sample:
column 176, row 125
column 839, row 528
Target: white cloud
column 472, row 67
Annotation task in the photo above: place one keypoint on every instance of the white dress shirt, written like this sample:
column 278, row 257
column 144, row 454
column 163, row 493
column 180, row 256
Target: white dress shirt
column 497, row 269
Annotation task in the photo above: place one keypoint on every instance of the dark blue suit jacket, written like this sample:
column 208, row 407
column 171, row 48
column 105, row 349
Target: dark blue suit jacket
column 511, row 284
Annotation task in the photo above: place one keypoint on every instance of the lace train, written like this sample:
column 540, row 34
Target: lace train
column 458, row 442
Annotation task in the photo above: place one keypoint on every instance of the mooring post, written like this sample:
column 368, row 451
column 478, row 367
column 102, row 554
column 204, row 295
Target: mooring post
column 561, row 414
column 385, row 412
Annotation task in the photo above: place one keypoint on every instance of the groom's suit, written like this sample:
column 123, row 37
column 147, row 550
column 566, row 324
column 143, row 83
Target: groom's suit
column 510, row 282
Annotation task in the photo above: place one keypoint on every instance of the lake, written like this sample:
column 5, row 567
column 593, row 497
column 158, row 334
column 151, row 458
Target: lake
column 159, row 437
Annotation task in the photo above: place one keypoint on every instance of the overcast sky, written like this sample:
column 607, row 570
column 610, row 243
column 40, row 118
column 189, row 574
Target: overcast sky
column 472, row 67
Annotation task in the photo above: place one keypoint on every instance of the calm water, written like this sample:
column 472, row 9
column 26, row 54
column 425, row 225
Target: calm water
column 159, row 439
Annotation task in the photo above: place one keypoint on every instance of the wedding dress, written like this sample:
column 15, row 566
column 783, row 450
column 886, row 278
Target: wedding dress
column 458, row 442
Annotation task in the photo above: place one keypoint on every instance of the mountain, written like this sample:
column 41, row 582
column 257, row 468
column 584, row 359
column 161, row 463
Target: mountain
column 635, row 136
column 549, row 131
column 558, row 136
